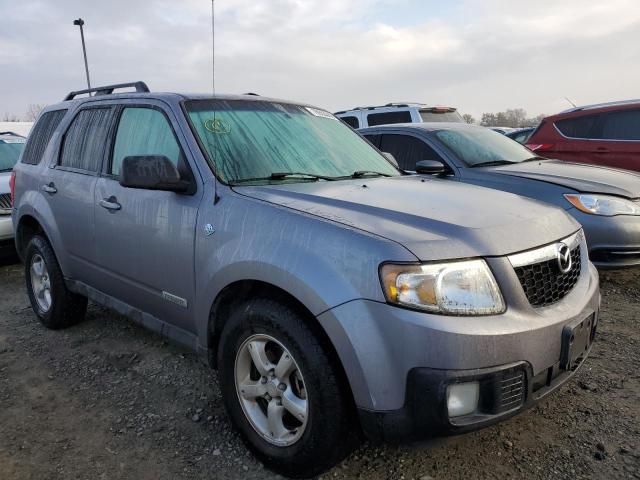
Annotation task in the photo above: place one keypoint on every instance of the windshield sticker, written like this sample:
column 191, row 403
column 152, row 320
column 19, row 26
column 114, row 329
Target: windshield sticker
column 320, row 113
column 12, row 140
column 217, row 126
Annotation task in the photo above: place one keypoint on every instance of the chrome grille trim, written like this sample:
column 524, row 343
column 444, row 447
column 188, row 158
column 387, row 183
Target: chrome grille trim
column 546, row 253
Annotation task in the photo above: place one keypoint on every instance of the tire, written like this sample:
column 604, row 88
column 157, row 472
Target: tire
column 64, row 307
column 325, row 436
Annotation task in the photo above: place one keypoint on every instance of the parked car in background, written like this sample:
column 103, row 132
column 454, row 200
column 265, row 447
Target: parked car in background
column 604, row 134
column 502, row 130
column 333, row 293
column 606, row 201
column 521, row 135
column 11, row 145
column 362, row 117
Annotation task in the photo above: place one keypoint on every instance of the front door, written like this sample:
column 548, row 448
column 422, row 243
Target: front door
column 145, row 238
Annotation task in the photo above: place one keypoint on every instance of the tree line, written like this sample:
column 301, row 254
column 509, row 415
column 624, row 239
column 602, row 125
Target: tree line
column 33, row 110
column 516, row 117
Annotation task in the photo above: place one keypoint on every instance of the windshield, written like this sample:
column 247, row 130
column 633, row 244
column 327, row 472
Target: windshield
column 10, row 150
column 249, row 141
column 477, row 145
column 442, row 116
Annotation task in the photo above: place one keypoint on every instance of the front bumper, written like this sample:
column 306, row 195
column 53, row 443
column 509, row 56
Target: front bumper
column 6, row 228
column 399, row 361
column 613, row 242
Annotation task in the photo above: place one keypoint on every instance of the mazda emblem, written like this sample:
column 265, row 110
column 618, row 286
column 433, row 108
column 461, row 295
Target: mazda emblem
column 564, row 257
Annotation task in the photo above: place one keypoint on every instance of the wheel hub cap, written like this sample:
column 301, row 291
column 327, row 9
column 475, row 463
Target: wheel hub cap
column 271, row 390
column 40, row 282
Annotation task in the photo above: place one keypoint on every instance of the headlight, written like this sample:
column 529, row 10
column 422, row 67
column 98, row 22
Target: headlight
column 453, row 288
column 603, row 204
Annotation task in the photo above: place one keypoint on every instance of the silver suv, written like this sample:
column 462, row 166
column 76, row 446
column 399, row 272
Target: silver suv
column 335, row 295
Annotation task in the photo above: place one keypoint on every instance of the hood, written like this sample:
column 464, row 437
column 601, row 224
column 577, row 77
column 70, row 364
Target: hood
column 577, row 176
column 434, row 219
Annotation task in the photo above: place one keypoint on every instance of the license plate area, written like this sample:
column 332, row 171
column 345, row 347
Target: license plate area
column 576, row 340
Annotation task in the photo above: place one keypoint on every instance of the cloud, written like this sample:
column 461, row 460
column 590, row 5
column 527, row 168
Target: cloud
column 478, row 56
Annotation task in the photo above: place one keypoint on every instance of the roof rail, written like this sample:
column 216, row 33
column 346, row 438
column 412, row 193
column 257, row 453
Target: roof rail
column 140, row 87
column 601, row 105
column 373, row 107
column 8, row 132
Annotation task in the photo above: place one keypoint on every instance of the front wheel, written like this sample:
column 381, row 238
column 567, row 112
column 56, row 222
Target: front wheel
column 282, row 390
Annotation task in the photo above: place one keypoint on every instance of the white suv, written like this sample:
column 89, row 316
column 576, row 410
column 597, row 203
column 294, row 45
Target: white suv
column 362, row 117
column 11, row 146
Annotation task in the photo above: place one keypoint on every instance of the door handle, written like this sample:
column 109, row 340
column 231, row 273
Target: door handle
column 110, row 203
column 602, row 150
column 50, row 188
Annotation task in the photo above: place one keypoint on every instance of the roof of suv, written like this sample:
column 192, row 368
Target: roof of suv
column 398, row 105
column 598, row 107
column 142, row 91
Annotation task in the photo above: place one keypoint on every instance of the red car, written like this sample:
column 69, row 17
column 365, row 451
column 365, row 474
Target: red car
column 605, row 134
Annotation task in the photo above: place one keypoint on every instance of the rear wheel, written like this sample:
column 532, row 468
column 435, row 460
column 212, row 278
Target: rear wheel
column 281, row 389
column 55, row 306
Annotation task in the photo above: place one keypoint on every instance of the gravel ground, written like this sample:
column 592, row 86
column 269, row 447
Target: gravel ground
column 109, row 400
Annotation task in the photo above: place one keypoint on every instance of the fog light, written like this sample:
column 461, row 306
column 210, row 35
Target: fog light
column 462, row 398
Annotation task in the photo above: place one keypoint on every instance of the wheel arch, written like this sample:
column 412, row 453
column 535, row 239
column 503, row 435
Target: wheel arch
column 235, row 293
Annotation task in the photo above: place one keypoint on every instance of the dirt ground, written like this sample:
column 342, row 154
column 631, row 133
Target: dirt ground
column 109, row 400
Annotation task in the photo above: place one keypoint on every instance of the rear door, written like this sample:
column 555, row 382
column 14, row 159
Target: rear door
column 70, row 185
column 618, row 139
column 145, row 238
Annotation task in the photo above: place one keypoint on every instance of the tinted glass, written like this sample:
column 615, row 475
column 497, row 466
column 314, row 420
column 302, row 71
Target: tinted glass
column 250, row 139
column 579, row 127
column 430, row 116
column 351, row 121
column 10, row 149
column 623, row 125
column 86, row 140
column 144, row 131
column 407, row 150
column 388, row 117
column 40, row 135
column 476, row 145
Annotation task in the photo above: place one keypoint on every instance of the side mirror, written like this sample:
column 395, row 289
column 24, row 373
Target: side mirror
column 430, row 167
column 151, row 172
column 391, row 159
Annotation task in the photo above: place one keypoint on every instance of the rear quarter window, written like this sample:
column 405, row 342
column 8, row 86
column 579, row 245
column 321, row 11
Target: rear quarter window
column 388, row 117
column 351, row 121
column 40, row 135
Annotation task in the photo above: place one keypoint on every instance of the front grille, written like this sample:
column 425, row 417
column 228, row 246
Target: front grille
column 512, row 391
column 543, row 282
column 5, row 203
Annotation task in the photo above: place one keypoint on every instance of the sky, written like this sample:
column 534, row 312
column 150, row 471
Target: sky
column 478, row 56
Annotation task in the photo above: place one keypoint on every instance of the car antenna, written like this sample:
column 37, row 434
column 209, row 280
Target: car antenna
column 566, row 98
column 216, row 197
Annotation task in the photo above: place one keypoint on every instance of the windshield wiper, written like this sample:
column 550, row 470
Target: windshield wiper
column 493, row 162
column 363, row 173
column 283, row 176
column 2, row 170
column 534, row 158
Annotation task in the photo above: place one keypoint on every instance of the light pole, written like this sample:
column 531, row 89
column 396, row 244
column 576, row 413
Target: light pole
column 79, row 22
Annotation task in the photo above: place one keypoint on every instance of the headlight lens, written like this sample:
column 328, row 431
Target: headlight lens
column 603, row 204
column 453, row 288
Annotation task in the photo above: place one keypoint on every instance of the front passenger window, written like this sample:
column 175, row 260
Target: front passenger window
column 144, row 131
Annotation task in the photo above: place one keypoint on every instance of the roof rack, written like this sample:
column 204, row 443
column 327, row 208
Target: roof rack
column 140, row 87
column 373, row 107
column 600, row 105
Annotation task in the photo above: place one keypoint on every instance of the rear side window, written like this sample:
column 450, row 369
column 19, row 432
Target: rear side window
column 86, row 140
column 144, row 131
column 351, row 121
column 579, row 127
column 40, row 135
column 388, row 117
column 407, row 150
column 622, row 125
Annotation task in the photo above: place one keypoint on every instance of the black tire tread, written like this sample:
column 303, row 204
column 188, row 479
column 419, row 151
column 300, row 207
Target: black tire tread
column 67, row 308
